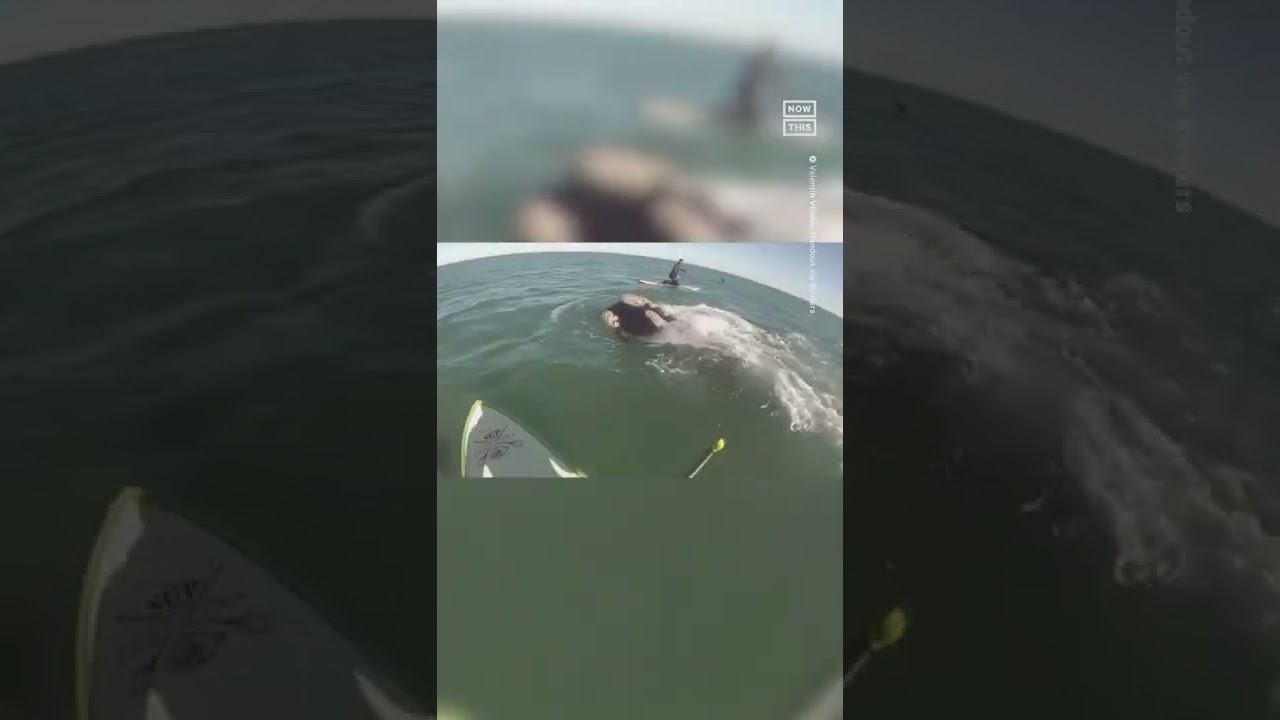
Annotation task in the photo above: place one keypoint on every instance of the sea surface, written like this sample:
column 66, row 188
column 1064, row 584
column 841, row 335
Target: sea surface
column 743, row 362
column 1064, row 398
column 519, row 103
column 681, row 599
column 210, row 288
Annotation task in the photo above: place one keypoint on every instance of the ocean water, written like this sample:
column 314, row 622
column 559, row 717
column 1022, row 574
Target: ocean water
column 519, row 102
column 744, row 362
column 209, row 287
column 1064, row 397
column 681, row 599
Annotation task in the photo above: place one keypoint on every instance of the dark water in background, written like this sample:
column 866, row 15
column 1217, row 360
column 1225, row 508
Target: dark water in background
column 214, row 283
column 743, row 362
column 1062, row 398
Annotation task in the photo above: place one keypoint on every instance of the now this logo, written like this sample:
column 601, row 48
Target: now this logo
column 800, row 117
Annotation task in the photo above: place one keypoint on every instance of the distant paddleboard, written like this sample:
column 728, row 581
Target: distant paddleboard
column 175, row 624
column 496, row 446
column 655, row 283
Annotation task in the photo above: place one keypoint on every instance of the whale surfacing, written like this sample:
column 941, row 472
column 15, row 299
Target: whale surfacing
column 636, row 316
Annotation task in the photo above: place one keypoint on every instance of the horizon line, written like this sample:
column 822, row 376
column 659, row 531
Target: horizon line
column 545, row 251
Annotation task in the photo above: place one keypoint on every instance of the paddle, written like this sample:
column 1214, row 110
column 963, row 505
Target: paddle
column 888, row 632
column 716, row 447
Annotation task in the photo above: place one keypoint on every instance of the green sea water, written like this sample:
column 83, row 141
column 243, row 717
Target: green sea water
column 680, row 600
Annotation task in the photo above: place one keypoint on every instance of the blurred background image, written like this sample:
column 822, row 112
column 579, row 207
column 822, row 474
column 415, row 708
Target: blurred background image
column 639, row 122
column 1063, row 358
column 212, row 253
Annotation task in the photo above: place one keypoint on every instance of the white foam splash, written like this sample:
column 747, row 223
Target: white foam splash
column 374, row 211
column 667, row 366
column 558, row 310
column 784, row 362
column 1175, row 513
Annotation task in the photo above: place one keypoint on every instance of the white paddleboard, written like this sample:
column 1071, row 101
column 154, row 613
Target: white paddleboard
column 695, row 288
column 175, row 624
column 827, row 706
column 494, row 445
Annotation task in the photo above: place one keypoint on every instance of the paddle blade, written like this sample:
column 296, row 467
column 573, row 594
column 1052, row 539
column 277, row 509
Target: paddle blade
column 890, row 630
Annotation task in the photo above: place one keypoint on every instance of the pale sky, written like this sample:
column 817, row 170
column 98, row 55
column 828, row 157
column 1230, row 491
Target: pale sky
column 781, row 266
column 1104, row 70
column 811, row 28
